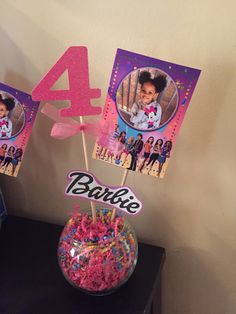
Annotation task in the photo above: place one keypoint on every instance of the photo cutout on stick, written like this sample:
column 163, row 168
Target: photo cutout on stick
column 17, row 114
column 145, row 106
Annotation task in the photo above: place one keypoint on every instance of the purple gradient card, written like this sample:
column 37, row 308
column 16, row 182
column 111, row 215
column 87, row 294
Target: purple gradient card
column 17, row 114
column 145, row 106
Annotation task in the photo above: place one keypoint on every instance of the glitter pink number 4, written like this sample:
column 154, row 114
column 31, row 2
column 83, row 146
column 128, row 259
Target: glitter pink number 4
column 75, row 61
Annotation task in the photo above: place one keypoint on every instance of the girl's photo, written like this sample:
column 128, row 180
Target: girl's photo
column 147, row 99
column 12, row 116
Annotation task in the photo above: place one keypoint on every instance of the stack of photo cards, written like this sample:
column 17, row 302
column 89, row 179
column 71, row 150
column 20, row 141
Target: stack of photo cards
column 17, row 115
column 145, row 106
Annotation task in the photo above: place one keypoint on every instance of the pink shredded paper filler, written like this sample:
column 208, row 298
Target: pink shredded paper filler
column 104, row 255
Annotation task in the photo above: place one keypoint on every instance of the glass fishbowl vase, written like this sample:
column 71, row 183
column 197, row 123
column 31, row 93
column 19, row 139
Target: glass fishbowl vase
column 97, row 257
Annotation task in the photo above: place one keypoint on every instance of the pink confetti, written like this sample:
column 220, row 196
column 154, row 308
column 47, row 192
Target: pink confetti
column 97, row 257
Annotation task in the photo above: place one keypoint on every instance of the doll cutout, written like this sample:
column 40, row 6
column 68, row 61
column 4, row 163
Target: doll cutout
column 106, row 142
column 146, row 112
column 147, row 151
column 119, row 146
column 136, row 149
column 9, row 157
column 16, row 159
column 6, row 105
column 111, row 143
column 128, row 148
column 154, row 156
column 165, row 153
column 3, row 150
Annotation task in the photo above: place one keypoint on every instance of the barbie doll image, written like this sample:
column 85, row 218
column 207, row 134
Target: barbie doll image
column 106, row 142
column 116, row 147
column 16, row 159
column 147, row 151
column 128, row 148
column 3, row 150
column 9, row 157
column 137, row 148
column 120, row 145
column 165, row 153
column 156, row 151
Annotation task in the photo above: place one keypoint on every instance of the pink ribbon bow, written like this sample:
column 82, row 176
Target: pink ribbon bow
column 66, row 127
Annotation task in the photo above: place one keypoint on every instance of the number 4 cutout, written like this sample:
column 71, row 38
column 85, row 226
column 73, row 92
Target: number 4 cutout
column 75, row 60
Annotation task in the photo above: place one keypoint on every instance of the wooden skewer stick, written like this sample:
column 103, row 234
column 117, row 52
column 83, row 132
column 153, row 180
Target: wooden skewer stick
column 122, row 184
column 93, row 207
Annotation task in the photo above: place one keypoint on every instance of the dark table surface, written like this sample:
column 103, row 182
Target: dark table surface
column 31, row 281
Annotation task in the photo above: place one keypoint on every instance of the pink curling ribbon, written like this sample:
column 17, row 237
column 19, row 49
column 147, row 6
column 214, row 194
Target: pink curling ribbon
column 62, row 131
column 67, row 127
column 53, row 113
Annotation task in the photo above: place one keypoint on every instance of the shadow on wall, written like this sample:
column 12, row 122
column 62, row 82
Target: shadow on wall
column 189, row 278
column 204, row 117
column 196, row 280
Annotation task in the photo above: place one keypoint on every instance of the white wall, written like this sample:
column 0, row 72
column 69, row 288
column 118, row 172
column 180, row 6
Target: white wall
column 192, row 211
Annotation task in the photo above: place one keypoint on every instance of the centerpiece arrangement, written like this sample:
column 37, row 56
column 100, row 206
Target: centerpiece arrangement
column 145, row 106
